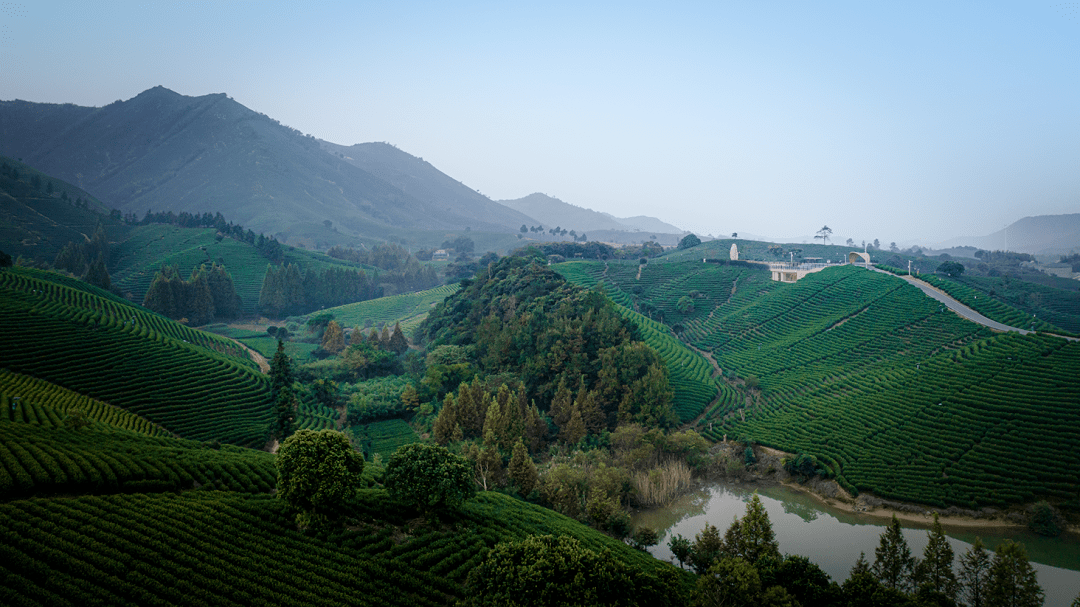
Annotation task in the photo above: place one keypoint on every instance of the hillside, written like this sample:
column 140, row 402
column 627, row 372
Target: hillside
column 119, row 513
column 193, row 384
column 851, row 365
column 552, row 212
column 1039, row 235
column 39, row 214
column 164, row 151
column 426, row 183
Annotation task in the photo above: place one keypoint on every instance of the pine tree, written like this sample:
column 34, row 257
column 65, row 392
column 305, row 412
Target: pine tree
column 384, row 338
column 397, row 342
column 294, row 290
column 591, row 413
column 934, row 572
column 373, row 339
column 522, row 469
column 574, row 430
column 1012, row 581
column 974, row 571
column 756, row 539
column 97, row 275
column 893, row 563
column 561, row 405
column 272, row 294
column 706, row 549
column 333, row 340
column 443, row 429
column 410, row 399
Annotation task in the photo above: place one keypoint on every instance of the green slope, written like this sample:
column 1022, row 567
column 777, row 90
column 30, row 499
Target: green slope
column 147, row 248
column 410, row 309
column 192, row 383
column 851, row 366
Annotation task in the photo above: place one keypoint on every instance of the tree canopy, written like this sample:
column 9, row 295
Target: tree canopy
column 428, row 477
column 317, row 471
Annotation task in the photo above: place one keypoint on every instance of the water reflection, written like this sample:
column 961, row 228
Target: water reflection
column 834, row 538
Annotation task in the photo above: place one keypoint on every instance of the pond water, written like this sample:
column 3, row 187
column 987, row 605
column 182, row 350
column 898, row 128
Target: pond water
column 833, row 538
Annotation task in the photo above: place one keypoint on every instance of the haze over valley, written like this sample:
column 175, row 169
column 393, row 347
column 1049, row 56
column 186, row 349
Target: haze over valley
column 701, row 304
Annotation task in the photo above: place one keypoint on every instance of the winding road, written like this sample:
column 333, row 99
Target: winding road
column 964, row 311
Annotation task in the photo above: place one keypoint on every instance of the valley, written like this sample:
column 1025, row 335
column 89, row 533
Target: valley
column 154, row 368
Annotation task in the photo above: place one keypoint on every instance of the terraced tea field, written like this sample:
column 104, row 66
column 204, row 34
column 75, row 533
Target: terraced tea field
column 184, row 380
column 384, row 437
column 235, row 549
column 141, row 255
column 851, row 366
column 410, row 309
column 1044, row 308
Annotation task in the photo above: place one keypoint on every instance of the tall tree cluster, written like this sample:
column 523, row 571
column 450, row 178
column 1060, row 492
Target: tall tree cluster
column 208, row 293
column 577, row 357
column 286, row 291
column 87, row 260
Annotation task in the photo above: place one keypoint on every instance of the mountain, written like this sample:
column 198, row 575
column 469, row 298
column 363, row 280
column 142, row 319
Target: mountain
column 164, row 151
column 1038, row 235
column 424, row 182
column 552, row 212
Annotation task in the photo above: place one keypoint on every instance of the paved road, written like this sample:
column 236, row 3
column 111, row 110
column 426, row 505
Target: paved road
column 960, row 308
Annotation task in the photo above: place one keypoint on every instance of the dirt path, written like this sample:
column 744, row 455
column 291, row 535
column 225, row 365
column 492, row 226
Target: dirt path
column 960, row 309
column 255, row 356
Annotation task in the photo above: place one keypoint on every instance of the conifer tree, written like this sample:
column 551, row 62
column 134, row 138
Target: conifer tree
column 1012, row 581
column 706, row 549
column 294, row 290
column 443, row 429
column 522, row 469
column 561, row 405
column 893, row 563
column 536, row 428
column 373, row 339
column 281, row 391
column 974, row 571
column 755, row 539
column 97, row 275
column 934, row 572
column 410, row 399
column 397, row 342
column 574, row 430
column 333, row 340
column 384, row 338
column 591, row 412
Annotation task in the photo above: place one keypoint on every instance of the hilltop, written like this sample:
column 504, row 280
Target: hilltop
column 169, row 152
column 552, row 212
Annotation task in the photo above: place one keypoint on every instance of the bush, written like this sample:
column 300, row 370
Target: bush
column 317, row 471
column 428, row 477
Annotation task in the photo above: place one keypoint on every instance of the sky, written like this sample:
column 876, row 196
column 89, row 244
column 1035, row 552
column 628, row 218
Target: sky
column 911, row 122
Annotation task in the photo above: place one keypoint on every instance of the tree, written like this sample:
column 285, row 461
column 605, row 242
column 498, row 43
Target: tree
column 1012, row 581
column 316, row 472
column 755, row 539
column 397, row 342
column 688, row 241
column 428, row 477
column 850, row 242
column 333, row 340
column 544, row 570
column 824, row 234
column 951, row 268
column 5, row 260
column 281, row 392
column 974, row 571
column 685, row 305
column 706, row 549
column 934, row 572
column 893, row 563
column 97, row 275
column 524, row 229
column 522, row 469
column 729, row 581
column 1044, row 520
column 877, row 243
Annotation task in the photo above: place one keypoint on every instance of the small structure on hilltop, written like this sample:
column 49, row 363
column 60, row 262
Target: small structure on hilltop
column 791, row 272
column 859, row 257
column 734, row 253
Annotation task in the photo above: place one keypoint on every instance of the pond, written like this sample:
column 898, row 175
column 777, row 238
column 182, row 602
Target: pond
column 833, row 538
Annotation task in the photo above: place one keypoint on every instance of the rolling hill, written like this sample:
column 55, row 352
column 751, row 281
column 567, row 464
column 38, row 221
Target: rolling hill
column 892, row 393
column 164, row 151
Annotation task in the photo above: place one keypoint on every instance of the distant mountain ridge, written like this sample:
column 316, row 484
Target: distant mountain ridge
column 1038, row 235
column 164, row 151
column 552, row 212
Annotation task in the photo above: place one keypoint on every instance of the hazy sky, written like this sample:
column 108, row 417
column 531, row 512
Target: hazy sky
column 905, row 121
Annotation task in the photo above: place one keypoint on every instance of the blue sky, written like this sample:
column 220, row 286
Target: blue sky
column 907, row 122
